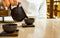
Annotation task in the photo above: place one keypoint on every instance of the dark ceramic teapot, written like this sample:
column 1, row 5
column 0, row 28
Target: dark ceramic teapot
column 18, row 13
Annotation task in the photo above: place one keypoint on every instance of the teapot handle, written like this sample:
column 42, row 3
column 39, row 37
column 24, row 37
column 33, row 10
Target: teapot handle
column 18, row 4
column 9, row 7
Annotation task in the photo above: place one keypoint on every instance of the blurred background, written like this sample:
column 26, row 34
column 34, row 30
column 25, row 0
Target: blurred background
column 53, row 9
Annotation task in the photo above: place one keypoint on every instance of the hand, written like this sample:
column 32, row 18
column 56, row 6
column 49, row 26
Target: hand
column 6, row 3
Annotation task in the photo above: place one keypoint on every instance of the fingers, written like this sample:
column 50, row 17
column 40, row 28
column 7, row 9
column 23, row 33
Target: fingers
column 13, row 2
column 6, row 3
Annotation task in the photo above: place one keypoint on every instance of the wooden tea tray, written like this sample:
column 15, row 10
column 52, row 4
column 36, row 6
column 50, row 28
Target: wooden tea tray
column 9, row 34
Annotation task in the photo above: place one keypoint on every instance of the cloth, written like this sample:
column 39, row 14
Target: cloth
column 35, row 8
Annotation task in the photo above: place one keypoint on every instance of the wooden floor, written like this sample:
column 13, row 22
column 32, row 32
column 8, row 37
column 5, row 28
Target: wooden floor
column 49, row 28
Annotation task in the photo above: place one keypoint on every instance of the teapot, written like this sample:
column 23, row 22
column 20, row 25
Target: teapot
column 18, row 13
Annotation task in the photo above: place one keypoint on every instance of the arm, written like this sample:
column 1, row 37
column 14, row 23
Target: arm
column 43, row 10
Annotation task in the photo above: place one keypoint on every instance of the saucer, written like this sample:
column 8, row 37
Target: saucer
column 9, row 34
column 25, row 25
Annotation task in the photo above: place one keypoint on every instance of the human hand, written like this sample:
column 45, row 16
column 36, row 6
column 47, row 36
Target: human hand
column 6, row 3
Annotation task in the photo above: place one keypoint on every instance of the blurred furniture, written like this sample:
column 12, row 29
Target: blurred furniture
column 3, row 13
column 53, row 10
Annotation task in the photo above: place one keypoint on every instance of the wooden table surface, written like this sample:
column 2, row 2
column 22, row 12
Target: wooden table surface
column 49, row 28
